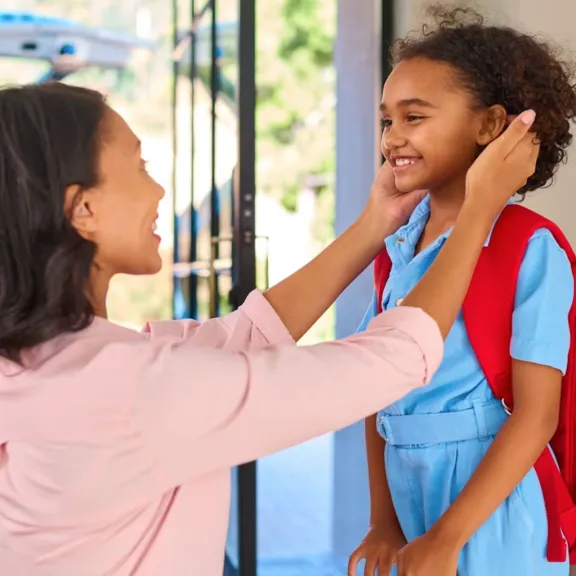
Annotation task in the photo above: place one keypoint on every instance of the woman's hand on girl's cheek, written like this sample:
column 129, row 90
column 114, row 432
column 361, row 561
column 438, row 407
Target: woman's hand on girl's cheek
column 387, row 207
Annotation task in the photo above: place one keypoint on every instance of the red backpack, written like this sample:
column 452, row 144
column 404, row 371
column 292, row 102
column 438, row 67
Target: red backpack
column 489, row 326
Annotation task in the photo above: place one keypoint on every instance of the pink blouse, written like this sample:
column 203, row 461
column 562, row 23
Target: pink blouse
column 116, row 446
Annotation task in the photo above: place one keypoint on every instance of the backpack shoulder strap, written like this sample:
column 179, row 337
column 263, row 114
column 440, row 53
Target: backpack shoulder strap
column 487, row 311
column 382, row 268
column 489, row 304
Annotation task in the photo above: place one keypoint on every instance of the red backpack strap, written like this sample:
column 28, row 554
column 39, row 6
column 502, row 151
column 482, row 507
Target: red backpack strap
column 489, row 304
column 382, row 268
column 487, row 313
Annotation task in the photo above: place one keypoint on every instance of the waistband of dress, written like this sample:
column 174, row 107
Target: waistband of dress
column 481, row 421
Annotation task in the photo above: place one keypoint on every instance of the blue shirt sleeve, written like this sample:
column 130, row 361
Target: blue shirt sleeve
column 544, row 294
column 370, row 313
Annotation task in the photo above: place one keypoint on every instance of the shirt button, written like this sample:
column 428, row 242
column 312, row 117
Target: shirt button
column 399, row 301
column 400, row 240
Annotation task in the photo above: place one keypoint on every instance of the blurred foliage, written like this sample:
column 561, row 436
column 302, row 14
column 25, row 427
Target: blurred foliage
column 296, row 85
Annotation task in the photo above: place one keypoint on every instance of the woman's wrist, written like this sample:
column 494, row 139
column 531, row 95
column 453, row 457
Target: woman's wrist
column 481, row 207
column 375, row 227
column 475, row 220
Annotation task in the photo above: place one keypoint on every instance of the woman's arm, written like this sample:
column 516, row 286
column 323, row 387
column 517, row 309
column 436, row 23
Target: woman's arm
column 222, row 409
column 291, row 307
column 203, row 409
column 302, row 298
column 199, row 409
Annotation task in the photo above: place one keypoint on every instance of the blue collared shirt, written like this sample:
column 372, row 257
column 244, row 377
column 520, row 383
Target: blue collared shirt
column 540, row 331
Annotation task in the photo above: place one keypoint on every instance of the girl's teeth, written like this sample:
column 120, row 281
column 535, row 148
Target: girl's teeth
column 154, row 226
column 404, row 161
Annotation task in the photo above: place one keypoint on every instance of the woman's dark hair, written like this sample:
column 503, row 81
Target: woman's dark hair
column 499, row 65
column 49, row 140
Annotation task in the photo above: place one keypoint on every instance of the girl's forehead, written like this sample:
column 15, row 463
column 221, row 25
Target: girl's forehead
column 421, row 80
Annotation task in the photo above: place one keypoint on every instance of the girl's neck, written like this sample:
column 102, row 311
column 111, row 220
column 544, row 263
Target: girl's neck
column 445, row 205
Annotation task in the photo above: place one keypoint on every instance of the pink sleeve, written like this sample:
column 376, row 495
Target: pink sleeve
column 203, row 409
column 254, row 325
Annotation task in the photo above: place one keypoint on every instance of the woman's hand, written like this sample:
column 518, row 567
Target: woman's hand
column 502, row 168
column 379, row 548
column 428, row 556
column 387, row 208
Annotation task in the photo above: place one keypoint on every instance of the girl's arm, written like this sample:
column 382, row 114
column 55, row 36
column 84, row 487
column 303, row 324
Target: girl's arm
column 516, row 448
column 382, row 512
column 540, row 343
column 383, row 516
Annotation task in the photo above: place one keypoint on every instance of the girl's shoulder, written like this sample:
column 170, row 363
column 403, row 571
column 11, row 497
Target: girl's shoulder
column 545, row 254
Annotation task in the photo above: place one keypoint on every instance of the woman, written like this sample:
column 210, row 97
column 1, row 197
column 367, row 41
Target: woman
column 117, row 445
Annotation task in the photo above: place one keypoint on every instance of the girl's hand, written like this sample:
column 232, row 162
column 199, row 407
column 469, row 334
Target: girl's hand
column 387, row 208
column 379, row 548
column 503, row 167
column 427, row 556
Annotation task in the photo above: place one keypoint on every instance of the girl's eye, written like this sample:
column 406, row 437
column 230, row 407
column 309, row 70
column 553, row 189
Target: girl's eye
column 414, row 118
column 385, row 123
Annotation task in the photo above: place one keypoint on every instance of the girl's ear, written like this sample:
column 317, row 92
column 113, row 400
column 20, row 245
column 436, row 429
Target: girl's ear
column 493, row 123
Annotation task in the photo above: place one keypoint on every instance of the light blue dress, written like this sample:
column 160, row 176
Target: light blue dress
column 429, row 459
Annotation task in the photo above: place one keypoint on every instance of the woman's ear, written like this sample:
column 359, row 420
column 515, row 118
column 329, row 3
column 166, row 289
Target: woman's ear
column 79, row 209
column 494, row 122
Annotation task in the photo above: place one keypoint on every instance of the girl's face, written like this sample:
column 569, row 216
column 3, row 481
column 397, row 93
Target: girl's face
column 431, row 129
column 119, row 215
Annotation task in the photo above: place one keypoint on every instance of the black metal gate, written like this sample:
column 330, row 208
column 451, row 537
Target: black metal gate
column 214, row 99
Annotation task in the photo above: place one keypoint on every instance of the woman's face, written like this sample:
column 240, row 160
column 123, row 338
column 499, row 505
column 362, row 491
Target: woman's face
column 119, row 214
column 432, row 132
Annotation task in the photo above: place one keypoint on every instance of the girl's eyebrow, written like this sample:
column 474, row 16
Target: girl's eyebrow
column 409, row 102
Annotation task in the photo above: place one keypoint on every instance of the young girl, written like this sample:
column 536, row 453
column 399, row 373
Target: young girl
column 472, row 507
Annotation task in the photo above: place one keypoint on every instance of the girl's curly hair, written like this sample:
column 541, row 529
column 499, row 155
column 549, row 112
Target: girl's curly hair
column 499, row 65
